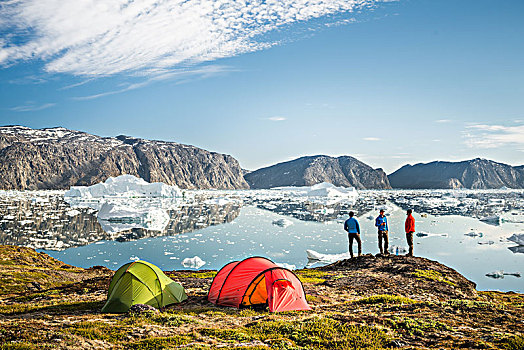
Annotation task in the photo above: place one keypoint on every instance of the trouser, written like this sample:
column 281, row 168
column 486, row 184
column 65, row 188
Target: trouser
column 409, row 238
column 356, row 236
column 383, row 235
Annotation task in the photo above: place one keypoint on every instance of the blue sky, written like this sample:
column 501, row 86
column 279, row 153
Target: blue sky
column 390, row 83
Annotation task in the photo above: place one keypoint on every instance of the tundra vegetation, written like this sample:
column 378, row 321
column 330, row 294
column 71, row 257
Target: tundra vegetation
column 367, row 302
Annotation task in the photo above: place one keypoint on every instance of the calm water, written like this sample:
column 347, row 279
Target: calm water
column 234, row 225
column 253, row 233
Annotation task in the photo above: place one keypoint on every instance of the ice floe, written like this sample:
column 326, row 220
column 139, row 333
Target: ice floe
column 327, row 258
column 195, row 262
column 287, row 266
column 501, row 274
column 429, row 234
column 115, row 217
column 124, row 186
column 282, row 223
column 517, row 238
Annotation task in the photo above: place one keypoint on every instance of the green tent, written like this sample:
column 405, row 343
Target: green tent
column 141, row 282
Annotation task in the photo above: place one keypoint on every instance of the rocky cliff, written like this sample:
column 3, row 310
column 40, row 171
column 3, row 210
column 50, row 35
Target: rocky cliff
column 475, row 174
column 306, row 171
column 57, row 158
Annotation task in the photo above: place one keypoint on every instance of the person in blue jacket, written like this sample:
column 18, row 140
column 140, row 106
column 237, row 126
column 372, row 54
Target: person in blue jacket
column 381, row 222
column 352, row 227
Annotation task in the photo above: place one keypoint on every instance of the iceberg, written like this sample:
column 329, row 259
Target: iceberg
column 282, row 223
column 323, row 193
column 117, row 218
column 327, row 258
column 429, row 234
column 124, row 186
column 194, row 262
column 501, row 274
column 395, row 249
column 492, row 220
column 517, row 238
column 287, row 266
column 517, row 249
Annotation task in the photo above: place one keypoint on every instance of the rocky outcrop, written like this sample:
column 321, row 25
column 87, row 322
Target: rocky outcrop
column 474, row 174
column 58, row 158
column 307, row 171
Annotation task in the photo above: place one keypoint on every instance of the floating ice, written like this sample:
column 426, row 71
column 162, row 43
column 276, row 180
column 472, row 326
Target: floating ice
column 395, row 249
column 493, row 220
column 501, row 274
column 474, row 234
column 429, row 234
column 517, row 249
column 517, row 238
column 287, row 266
column 72, row 212
column 282, row 222
column 124, row 186
column 324, row 193
column 328, row 258
column 486, row 243
column 115, row 218
column 218, row 201
column 194, row 262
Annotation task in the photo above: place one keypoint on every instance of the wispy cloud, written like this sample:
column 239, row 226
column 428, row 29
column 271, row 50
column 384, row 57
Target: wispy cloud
column 100, row 37
column 179, row 76
column 276, row 119
column 493, row 136
column 371, row 139
column 443, row 121
column 30, row 107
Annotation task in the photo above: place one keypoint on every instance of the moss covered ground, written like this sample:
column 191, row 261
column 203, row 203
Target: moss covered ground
column 365, row 303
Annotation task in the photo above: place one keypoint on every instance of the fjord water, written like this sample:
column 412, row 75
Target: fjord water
column 252, row 233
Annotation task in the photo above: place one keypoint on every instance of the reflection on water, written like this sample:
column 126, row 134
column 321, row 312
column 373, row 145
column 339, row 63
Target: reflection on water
column 42, row 220
column 220, row 226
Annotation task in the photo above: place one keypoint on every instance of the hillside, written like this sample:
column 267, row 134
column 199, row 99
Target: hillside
column 57, row 158
column 307, row 171
column 366, row 302
column 474, row 174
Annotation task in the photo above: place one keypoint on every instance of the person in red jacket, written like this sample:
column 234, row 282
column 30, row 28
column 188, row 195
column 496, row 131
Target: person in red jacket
column 410, row 229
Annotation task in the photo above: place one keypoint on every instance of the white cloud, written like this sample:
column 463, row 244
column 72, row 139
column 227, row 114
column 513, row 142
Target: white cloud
column 443, row 121
column 276, row 119
column 180, row 76
column 493, row 136
column 102, row 37
column 371, row 139
column 31, row 106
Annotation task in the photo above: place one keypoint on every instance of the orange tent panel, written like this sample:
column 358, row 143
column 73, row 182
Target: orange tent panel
column 258, row 280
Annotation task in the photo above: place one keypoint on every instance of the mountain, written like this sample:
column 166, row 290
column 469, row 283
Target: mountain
column 475, row 174
column 57, row 158
column 307, row 171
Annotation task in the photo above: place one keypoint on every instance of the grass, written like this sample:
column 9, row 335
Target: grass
column 99, row 331
column 64, row 307
column 164, row 319
column 314, row 333
column 312, row 276
column 417, row 326
column 512, row 343
column 159, row 343
column 385, row 299
column 206, row 274
column 432, row 276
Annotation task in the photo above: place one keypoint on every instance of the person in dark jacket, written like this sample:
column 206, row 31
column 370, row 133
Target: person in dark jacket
column 352, row 227
column 410, row 229
column 381, row 222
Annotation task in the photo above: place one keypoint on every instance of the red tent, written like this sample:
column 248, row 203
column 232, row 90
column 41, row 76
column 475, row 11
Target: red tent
column 258, row 281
